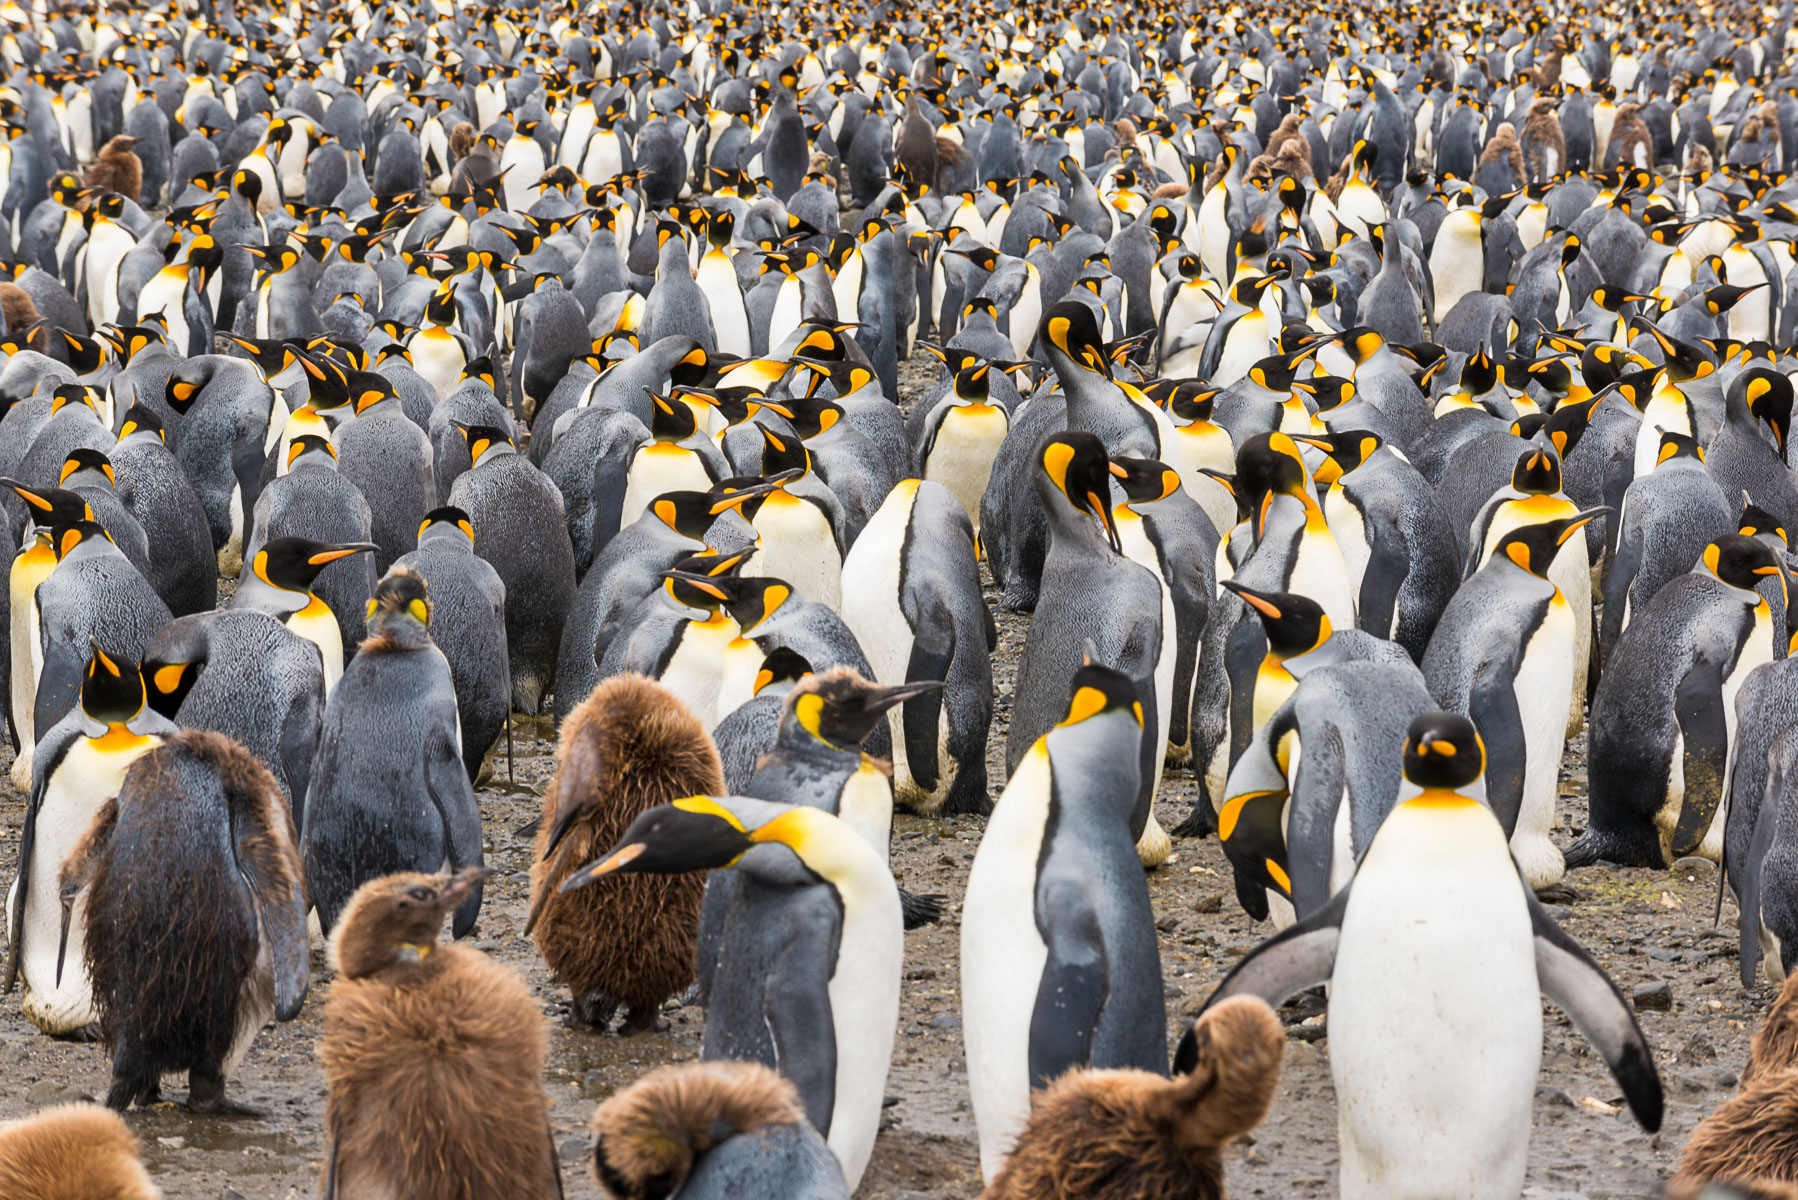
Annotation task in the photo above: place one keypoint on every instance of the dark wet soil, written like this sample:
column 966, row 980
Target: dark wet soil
column 1643, row 926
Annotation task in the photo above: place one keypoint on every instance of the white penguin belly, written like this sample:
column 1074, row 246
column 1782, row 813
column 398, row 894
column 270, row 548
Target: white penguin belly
column 695, row 671
column 870, row 608
column 656, row 468
column 717, row 278
column 1543, row 683
column 864, row 1012
column 1756, row 653
column 30, row 568
column 742, row 664
column 1349, row 529
column 230, row 555
column 85, row 780
column 1002, row 959
column 961, row 457
column 1667, row 411
column 318, row 625
column 797, row 545
column 1415, row 988
column 1244, row 345
column 788, row 310
column 866, row 806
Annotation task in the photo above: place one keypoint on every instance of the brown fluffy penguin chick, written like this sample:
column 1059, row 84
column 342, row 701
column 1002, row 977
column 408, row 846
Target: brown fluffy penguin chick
column 20, row 312
column 628, row 747
column 1753, row 1135
column 1289, row 143
column 711, row 1130
column 117, row 169
column 1632, row 139
column 915, row 146
column 1504, row 153
column 1735, row 1189
column 433, row 1056
column 72, row 1152
column 1122, row 1135
column 1544, row 145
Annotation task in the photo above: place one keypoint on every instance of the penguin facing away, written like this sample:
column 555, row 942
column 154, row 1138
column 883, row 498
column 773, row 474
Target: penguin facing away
column 72, row 1150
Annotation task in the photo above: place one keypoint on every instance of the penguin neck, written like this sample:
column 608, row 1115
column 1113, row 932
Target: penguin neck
column 261, row 596
column 1439, row 797
column 796, row 740
column 828, row 849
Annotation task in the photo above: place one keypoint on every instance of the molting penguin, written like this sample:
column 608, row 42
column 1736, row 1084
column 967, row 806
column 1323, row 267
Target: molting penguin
column 79, row 765
column 1437, row 952
column 627, row 748
column 388, row 790
column 819, row 902
column 1056, row 922
column 433, row 1055
column 196, row 855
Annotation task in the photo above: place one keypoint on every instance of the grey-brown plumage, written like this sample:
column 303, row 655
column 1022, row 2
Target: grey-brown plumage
column 117, row 169
column 1631, row 142
column 1544, row 148
column 915, row 146
column 1751, row 1139
column 1501, row 162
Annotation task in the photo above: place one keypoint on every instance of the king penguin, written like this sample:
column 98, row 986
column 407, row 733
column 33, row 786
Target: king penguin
column 278, row 581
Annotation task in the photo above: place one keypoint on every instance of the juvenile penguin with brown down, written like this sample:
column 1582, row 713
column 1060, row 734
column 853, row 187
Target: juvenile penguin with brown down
column 711, row 1131
column 1751, row 1139
column 1501, row 162
column 630, row 746
column 117, row 169
column 1122, row 1135
column 77, row 1151
column 433, row 1056
column 196, row 857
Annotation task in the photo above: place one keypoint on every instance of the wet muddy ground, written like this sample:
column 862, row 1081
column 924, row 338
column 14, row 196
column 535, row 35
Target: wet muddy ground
column 1645, row 927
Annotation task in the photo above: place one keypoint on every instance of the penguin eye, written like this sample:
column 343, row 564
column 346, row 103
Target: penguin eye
column 420, row 894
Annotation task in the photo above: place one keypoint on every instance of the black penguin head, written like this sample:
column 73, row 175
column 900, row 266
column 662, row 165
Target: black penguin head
column 112, row 688
column 1077, row 466
column 1534, row 547
column 1443, row 751
column 310, row 443
column 694, row 834
column 292, row 563
column 66, row 539
column 1192, row 400
column 690, row 584
column 687, row 513
column 76, row 394
column 782, row 452
column 1267, row 465
column 1344, row 451
column 139, row 419
column 784, row 666
column 1275, row 373
column 1071, row 332
column 1768, row 396
column 840, row 708
column 1741, row 562
column 1360, row 343
column 51, row 508
column 1145, row 480
column 971, row 385
column 1678, row 445
column 400, row 595
column 483, row 440
column 90, row 463
column 1294, row 624
column 1328, row 392
column 448, row 517
column 670, row 419
column 1682, row 360
column 754, row 600
column 1479, row 374
column 1756, row 521
column 368, row 389
column 479, row 369
column 1537, row 472
column 1097, row 688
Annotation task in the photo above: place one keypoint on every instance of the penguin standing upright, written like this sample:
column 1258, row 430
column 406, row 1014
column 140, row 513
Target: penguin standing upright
column 196, row 853
column 911, row 597
column 278, row 580
column 799, row 523
column 1505, row 653
column 961, row 438
column 183, row 568
column 315, row 500
column 433, row 1055
column 627, row 748
column 517, row 516
column 1056, row 923
column 1436, row 953
column 812, row 985
column 79, row 766
column 372, row 810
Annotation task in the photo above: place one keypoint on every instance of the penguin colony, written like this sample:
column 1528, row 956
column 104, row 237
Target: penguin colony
column 1360, row 405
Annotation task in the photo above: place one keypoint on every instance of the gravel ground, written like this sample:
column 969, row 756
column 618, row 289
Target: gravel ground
column 1645, row 927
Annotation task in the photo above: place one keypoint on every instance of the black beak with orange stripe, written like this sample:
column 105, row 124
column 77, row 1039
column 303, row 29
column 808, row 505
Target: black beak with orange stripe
column 1294, row 624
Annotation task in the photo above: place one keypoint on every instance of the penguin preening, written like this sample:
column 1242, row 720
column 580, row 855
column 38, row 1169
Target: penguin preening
column 628, row 747
column 433, row 1055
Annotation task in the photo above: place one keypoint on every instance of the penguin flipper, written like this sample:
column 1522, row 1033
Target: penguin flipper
column 454, row 798
column 1747, row 877
column 1074, row 983
column 1299, row 957
column 1388, row 563
column 279, row 896
column 1579, row 987
column 1698, row 707
column 59, row 684
column 796, row 1005
column 1492, row 706
column 932, row 652
column 1243, row 652
column 1317, row 799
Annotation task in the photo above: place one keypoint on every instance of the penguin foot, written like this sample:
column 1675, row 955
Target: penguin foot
column 1559, row 893
column 206, row 1098
column 642, row 1020
column 89, row 1032
column 594, row 1010
column 1201, row 822
column 920, row 910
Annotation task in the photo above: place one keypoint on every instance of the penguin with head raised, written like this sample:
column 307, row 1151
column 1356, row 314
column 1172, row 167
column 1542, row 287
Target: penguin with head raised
column 1056, row 922
column 518, row 520
column 200, row 818
column 819, row 901
column 371, row 809
column 1664, row 715
column 72, row 1149
column 278, row 580
column 79, row 765
column 681, row 633
column 800, row 525
column 1437, row 951
column 748, row 732
column 32, row 563
column 433, row 1055
column 315, row 501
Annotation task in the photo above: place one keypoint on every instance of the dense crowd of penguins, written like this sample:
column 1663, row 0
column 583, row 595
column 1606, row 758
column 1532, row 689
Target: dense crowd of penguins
column 1362, row 402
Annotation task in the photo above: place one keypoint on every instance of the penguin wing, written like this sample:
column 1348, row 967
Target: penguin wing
column 1243, row 652
column 1311, row 830
column 59, row 684
column 47, row 756
column 1075, row 980
column 1748, row 874
column 796, row 1001
column 932, row 652
column 447, row 781
column 1492, row 707
column 1388, row 563
column 1580, row 988
column 1300, row 957
column 279, row 895
column 1703, row 725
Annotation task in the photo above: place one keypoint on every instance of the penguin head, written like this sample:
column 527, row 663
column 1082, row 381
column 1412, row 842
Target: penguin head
column 783, row 452
column 316, row 450
column 272, row 356
column 397, row 919
column 275, row 259
column 74, row 393
column 1479, row 374
column 695, row 834
column 670, row 419
column 1294, row 624
column 1534, row 547
column 1327, row 391
column 1756, row 521
column 1096, row 689
column 292, row 563
column 747, row 493
column 51, row 508
column 1443, row 752
column 840, row 708
column 1275, row 373
column 139, row 419
column 813, row 415
column 1767, row 394
column 1741, row 562
column 1676, row 446
column 368, row 389
column 1344, row 451
column 479, row 370
column 1537, row 472
column 1267, row 465
column 112, row 687
column 1070, row 333
column 753, row 602
column 1145, row 480
column 485, row 441
column 1192, row 400
column 687, row 513
column 783, row 667
column 447, row 522
column 690, row 584
column 89, row 467
column 1682, row 360
column 970, row 385
column 1360, row 343
column 1076, row 466
column 68, row 539
column 400, row 595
